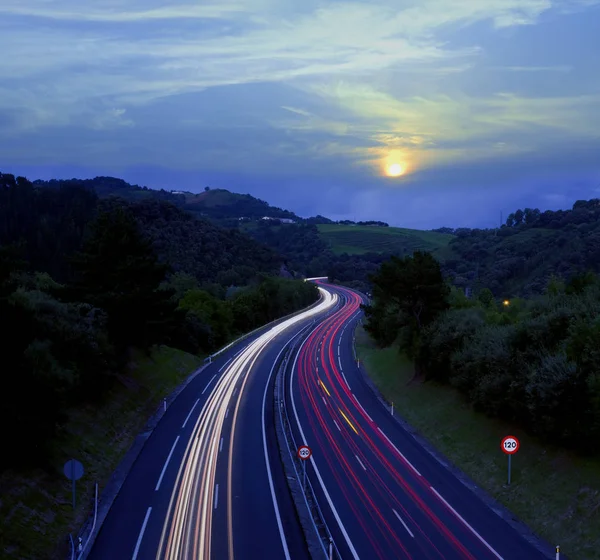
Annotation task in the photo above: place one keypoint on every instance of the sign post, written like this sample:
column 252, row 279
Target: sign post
column 73, row 470
column 510, row 445
column 557, row 552
column 304, row 454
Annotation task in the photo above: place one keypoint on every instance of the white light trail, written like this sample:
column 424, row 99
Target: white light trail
column 187, row 529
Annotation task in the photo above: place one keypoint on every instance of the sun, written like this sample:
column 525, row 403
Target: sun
column 394, row 170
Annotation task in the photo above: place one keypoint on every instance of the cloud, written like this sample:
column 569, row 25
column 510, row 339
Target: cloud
column 112, row 118
column 297, row 90
column 537, row 68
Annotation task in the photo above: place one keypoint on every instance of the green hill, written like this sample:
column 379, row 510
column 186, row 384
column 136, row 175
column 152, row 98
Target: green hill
column 219, row 205
column 358, row 240
column 227, row 207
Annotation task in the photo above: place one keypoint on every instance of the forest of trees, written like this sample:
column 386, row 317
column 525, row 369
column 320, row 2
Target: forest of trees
column 534, row 362
column 520, row 257
column 516, row 259
column 83, row 281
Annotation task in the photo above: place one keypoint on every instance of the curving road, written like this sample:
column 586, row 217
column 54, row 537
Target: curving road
column 383, row 496
column 208, row 482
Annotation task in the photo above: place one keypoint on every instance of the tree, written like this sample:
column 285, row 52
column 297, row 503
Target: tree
column 118, row 271
column 485, row 296
column 408, row 294
column 518, row 218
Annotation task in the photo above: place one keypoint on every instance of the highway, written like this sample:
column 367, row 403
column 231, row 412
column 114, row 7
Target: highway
column 208, row 483
column 383, row 496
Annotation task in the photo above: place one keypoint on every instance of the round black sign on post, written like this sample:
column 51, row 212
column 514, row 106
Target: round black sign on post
column 73, row 470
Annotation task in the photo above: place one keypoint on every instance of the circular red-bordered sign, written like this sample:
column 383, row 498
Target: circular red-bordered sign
column 304, row 452
column 510, row 445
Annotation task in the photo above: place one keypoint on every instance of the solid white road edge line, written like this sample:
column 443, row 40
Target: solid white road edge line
column 165, row 465
column 402, row 521
column 314, row 464
column 211, row 380
column 466, row 524
column 361, row 463
column 190, row 413
column 361, row 406
column 399, row 452
column 141, row 535
column 264, row 435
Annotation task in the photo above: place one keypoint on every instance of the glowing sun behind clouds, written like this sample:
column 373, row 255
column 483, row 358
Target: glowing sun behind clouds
column 394, row 170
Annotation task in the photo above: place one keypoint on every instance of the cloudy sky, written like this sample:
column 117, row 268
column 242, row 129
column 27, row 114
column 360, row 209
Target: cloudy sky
column 485, row 105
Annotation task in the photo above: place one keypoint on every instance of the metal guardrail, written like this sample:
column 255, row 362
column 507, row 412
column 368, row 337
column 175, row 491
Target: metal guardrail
column 328, row 545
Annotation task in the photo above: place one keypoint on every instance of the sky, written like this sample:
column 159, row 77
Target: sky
column 485, row 106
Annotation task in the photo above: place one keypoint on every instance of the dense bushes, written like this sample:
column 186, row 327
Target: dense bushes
column 246, row 309
column 540, row 369
column 533, row 362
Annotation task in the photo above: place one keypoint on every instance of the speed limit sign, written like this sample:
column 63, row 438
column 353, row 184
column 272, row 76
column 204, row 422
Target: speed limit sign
column 304, row 452
column 510, row 445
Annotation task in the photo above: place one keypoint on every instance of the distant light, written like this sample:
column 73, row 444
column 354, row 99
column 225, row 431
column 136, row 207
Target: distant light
column 394, row 170
column 506, row 302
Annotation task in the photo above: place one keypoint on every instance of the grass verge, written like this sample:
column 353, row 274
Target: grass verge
column 556, row 493
column 35, row 507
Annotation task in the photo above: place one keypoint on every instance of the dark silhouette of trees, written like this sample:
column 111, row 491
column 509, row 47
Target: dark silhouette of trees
column 118, row 271
column 408, row 294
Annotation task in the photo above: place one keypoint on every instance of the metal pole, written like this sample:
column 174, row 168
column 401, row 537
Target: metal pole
column 392, row 409
column 165, row 404
column 73, row 479
column 330, row 548
column 304, row 475
column 509, row 463
column 557, row 552
column 72, row 547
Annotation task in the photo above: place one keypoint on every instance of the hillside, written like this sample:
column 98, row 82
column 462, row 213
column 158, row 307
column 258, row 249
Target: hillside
column 515, row 260
column 521, row 257
column 219, row 205
column 52, row 223
column 357, row 240
column 199, row 247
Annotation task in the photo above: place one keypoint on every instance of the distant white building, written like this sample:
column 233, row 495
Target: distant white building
column 282, row 220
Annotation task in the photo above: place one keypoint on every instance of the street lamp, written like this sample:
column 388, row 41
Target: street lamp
column 506, row 303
